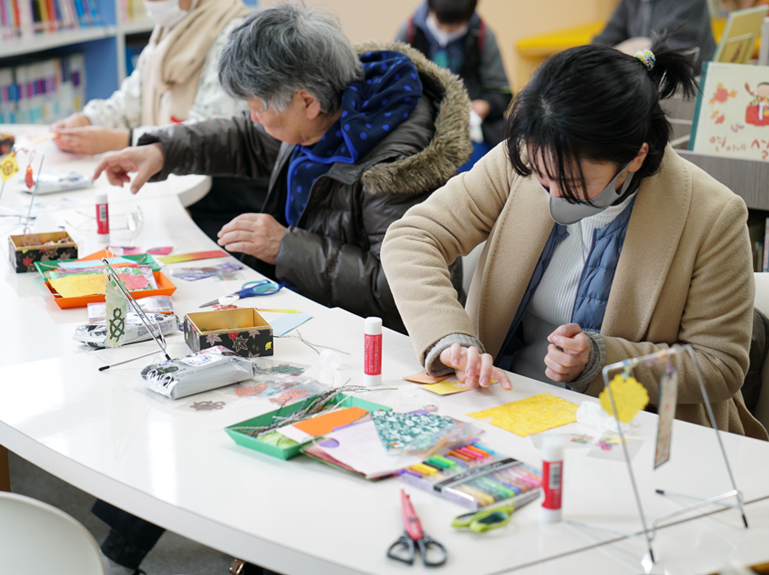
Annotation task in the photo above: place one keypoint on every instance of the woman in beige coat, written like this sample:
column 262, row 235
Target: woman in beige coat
column 602, row 244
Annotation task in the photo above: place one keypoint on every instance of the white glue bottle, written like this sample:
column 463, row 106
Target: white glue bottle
column 552, row 478
column 102, row 213
column 372, row 351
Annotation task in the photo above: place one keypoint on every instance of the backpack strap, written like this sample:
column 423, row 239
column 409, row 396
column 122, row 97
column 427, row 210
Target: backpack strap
column 481, row 36
column 410, row 31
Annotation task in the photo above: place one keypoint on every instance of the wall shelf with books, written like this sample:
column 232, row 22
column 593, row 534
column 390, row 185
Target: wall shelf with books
column 49, row 41
column 38, row 35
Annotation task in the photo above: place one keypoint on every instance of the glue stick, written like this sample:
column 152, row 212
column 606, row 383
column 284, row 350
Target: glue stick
column 372, row 351
column 102, row 212
column 552, row 478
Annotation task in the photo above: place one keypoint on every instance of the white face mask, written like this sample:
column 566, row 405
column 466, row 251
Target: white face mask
column 442, row 37
column 166, row 13
column 566, row 213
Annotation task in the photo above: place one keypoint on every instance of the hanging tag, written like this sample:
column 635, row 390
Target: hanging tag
column 666, row 408
column 630, row 397
column 29, row 178
column 9, row 167
column 117, row 308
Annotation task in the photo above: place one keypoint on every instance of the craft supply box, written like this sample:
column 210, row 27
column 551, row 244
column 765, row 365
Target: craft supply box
column 242, row 331
column 285, row 448
column 23, row 257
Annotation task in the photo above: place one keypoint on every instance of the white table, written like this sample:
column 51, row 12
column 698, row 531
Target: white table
column 106, row 434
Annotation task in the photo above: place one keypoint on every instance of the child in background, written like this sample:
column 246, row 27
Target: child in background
column 635, row 22
column 453, row 35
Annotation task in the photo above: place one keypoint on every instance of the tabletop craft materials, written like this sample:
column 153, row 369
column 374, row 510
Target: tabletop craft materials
column 474, row 476
column 405, row 547
column 208, row 369
column 411, row 432
column 194, row 256
column 531, row 415
column 630, row 397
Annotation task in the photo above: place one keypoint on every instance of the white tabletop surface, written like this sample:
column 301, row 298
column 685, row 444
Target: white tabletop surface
column 104, row 432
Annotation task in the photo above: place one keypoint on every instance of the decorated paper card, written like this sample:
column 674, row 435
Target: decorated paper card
column 732, row 114
column 630, row 397
column 668, row 394
column 117, row 310
column 531, row 415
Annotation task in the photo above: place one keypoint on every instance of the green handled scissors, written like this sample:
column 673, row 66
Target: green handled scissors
column 488, row 519
column 249, row 289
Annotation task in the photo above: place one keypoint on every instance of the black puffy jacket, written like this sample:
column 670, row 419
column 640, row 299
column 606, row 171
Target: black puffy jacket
column 332, row 254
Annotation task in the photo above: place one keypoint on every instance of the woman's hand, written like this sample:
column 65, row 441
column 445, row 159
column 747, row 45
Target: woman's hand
column 73, row 121
column 258, row 235
column 567, row 354
column 474, row 368
column 90, row 140
column 145, row 160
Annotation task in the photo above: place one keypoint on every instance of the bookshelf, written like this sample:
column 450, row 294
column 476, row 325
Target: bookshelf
column 103, row 46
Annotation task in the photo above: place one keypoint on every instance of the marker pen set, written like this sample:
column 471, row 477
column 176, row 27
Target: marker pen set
column 474, row 476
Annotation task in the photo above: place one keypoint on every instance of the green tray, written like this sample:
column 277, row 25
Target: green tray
column 141, row 259
column 282, row 447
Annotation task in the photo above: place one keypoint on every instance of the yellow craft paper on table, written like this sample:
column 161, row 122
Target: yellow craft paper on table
column 80, row 285
column 531, row 415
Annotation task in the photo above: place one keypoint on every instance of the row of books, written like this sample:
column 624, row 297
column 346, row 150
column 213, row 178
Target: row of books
column 132, row 10
column 22, row 18
column 42, row 92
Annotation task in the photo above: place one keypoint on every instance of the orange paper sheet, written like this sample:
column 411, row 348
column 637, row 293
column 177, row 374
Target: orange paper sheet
column 423, row 378
column 324, row 424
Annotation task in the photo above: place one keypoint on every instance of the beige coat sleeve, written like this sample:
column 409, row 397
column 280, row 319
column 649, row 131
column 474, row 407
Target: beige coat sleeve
column 419, row 248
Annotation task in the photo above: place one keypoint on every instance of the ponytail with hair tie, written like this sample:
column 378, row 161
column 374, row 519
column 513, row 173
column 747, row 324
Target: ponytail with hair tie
column 647, row 59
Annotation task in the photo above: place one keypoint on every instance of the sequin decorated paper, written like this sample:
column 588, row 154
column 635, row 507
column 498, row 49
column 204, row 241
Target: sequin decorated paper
column 531, row 415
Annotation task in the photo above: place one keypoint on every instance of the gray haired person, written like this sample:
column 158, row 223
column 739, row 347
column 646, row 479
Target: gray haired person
column 350, row 137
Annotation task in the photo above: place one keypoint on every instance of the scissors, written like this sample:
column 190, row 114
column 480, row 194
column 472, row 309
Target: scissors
column 488, row 519
column 404, row 549
column 249, row 289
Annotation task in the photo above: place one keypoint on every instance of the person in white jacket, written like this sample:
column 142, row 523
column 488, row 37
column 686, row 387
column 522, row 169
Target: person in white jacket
column 175, row 80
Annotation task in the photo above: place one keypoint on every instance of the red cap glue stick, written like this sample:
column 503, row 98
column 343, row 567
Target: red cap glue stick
column 372, row 351
column 552, row 478
column 102, row 213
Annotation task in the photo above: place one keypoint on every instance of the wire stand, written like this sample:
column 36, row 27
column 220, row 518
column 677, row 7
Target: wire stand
column 14, row 213
column 160, row 339
column 649, row 533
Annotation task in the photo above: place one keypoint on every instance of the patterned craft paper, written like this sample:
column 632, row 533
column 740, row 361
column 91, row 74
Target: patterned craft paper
column 88, row 284
column 667, row 411
column 733, row 112
column 416, row 431
column 531, row 415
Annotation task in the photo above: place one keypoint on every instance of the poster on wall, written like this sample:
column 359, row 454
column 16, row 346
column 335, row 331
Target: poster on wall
column 731, row 118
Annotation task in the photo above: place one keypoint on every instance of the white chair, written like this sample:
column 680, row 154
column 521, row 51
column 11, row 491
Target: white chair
column 762, row 304
column 38, row 538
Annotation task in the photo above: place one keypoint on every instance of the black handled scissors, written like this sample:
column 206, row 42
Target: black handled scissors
column 249, row 289
column 404, row 549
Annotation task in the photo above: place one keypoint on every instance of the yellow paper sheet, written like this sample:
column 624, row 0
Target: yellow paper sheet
column 531, row 415
column 80, row 285
column 449, row 386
